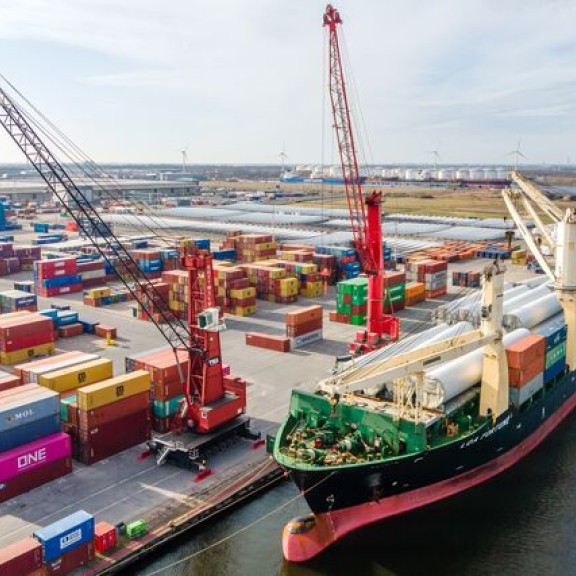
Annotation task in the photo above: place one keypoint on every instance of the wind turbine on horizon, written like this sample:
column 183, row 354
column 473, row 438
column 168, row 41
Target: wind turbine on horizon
column 517, row 153
column 283, row 157
column 184, row 153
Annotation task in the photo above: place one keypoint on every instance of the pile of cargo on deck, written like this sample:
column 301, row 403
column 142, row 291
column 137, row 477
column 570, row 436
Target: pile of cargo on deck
column 68, row 543
column 252, row 247
column 24, row 335
column 352, row 298
column 108, row 417
column 33, row 451
column 433, row 273
column 535, row 361
column 57, row 276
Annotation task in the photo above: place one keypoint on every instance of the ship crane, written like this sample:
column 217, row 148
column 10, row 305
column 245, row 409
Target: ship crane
column 406, row 371
column 210, row 406
column 563, row 248
column 365, row 212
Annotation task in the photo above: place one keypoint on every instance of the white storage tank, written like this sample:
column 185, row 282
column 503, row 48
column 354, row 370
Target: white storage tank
column 476, row 174
column 463, row 174
column 445, row 174
column 490, row 174
column 412, row 174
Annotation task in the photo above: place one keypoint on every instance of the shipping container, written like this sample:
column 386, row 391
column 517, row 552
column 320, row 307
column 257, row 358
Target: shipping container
column 65, row 534
column 276, row 343
column 102, row 393
column 70, row 561
column 34, row 477
column 22, row 459
column 29, row 432
column 166, row 408
column 90, row 419
column 526, row 351
column 79, row 375
column 25, row 404
column 27, row 370
column 306, row 339
column 20, row 558
column 113, row 437
column 520, row 395
column 104, row 537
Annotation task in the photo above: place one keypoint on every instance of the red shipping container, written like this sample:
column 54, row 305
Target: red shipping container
column 526, row 351
column 518, row 377
column 9, row 381
column 162, row 365
column 59, row 290
column 91, row 419
column 303, row 315
column 34, row 478
column 113, row 437
column 392, row 278
column 71, row 330
column 104, row 537
column 304, row 328
column 27, row 325
column 276, row 343
column 21, row 558
column 104, row 331
column 71, row 560
column 19, row 342
column 167, row 390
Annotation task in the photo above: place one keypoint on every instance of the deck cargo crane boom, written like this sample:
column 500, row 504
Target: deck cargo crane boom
column 209, row 405
column 365, row 212
column 563, row 247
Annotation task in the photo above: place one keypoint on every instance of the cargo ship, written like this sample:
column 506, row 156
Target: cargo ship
column 383, row 437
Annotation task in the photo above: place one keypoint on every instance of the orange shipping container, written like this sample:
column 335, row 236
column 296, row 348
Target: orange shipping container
column 303, row 315
column 526, row 351
column 518, row 377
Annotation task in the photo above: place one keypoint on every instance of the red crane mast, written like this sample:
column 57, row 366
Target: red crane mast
column 365, row 212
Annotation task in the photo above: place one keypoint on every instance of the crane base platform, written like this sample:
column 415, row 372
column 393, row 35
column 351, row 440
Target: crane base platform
column 191, row 451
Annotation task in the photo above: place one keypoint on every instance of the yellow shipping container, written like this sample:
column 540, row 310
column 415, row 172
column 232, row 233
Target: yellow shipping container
column 109, row 391
column 76, row 376
column 288, row 287
column 26, row 353
column 244, row 310
column 243, row 293
column 175, row 305
column 98, row 292
column 277, row 273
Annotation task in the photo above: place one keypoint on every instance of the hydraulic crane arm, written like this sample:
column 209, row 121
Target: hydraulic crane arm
column 57, row 179
column 536, row 196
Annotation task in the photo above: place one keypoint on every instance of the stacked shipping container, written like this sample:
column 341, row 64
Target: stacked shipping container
column 24, row 335
column 57, row 276
column 433, row 273
column 234, row 294
column 304, row 326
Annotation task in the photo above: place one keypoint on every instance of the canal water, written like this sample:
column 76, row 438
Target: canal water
column 521, row 523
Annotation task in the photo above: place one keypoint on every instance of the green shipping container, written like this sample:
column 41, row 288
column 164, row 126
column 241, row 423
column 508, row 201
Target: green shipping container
column 136, row 529
column 165, row 408
column 64, row 402
column 556, row 354
column 343, row 309
column 358, row 320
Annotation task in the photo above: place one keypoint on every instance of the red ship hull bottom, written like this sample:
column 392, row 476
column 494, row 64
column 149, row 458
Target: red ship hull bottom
column 332, row 526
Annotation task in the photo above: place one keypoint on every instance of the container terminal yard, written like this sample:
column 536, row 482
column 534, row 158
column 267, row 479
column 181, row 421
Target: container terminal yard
column 167, row 497
column 172, row 348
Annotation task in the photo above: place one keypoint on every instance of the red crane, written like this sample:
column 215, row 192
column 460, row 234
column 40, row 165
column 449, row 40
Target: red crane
column 365, row 212
column 213, row 403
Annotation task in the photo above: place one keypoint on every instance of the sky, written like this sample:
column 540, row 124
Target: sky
column 239, row 81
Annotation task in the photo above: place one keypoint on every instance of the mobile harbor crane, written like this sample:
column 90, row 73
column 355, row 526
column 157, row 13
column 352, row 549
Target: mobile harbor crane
column 214, row 407
column 365, row 212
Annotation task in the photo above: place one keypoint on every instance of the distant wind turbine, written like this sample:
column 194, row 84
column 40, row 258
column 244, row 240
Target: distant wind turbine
column 517, row 154
column 184, row 153
column 283, row 157
column 435, row 156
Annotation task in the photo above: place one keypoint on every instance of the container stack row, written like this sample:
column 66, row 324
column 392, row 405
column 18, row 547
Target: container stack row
column 466, row 279
column 33, row 451
column 304, row 326
column 9, row 263
column 25, row 335
column 57, row 276
column 252, row 247
column 433, row 273
column 234, row 294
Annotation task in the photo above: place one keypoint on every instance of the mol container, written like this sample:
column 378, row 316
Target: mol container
column 27, row 413
column 65, row 535
column 21, row 558
column 74, row 377
column 109, row 391
column 33, row 464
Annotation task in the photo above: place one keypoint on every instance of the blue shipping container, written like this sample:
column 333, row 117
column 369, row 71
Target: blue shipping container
column 26, row 407
column 554, row 370
column 554, row 334
column 50, row 313
column 61, row 281
column 29, row 432
column 65, row 535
